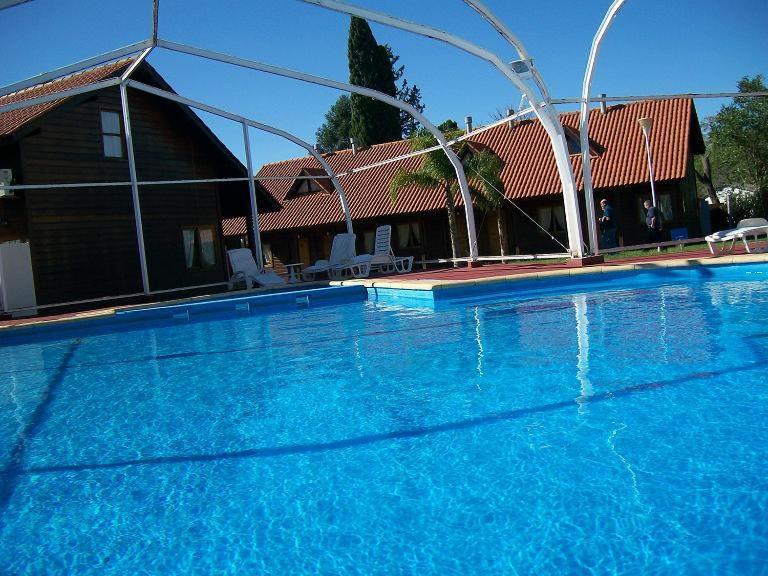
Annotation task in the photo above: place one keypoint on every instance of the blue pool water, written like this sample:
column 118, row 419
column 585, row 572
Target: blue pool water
column 618, row 431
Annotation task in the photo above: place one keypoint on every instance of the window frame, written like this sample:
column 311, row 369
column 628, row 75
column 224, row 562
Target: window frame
column 103, row 134
column 199, row 255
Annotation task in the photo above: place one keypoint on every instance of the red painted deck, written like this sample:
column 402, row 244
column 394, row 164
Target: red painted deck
column 528, row 267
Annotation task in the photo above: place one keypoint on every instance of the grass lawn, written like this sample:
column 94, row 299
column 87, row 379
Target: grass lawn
column 681, row 250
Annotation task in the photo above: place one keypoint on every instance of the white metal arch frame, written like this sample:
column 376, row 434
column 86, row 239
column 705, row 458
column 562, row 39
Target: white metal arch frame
column 543, row 109
column 584, row 122
column 257, row 125
column 375, row 94
column 123, row 82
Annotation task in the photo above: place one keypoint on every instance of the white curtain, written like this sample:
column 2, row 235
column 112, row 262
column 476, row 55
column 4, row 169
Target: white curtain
column 559, row 216
column 544, row 216
column 402, row 235
column 207, row 247
column 189, row 246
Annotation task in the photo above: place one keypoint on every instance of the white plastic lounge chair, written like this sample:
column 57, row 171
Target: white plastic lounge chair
column 341, row 262
column 383, row 259
column 745, row 229
column 244, row 268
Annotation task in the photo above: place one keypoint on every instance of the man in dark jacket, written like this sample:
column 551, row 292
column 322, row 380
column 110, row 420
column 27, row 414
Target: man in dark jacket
column 653, row 218
column 607, row 225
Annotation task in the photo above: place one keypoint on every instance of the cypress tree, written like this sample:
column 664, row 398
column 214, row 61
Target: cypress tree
column 370, row 66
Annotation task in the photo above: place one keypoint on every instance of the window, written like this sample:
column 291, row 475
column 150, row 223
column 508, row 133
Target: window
column 266, row 253
column 199, row 247
column 408, row 235
column 111, row 134
column 552, row 218
column 572, row 140
column 369, row 239
column 665, row 205
column 308, row 186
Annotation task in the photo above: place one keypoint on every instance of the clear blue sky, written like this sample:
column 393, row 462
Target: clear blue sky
column 654, row 46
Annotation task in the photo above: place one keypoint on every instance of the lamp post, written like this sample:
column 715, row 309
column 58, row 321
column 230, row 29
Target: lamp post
column 645, row 125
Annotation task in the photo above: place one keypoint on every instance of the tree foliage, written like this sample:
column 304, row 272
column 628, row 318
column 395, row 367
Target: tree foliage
column 373, row 121
column 738, row 141
column 410, row 94
column 483, row 170
column 378, row 69
column 335, row 132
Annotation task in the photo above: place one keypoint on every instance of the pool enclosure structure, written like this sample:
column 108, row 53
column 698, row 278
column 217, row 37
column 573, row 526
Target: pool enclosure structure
column 521, row 73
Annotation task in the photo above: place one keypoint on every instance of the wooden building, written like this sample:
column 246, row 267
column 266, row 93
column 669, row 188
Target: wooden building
column 83, row 240
column 310, row 214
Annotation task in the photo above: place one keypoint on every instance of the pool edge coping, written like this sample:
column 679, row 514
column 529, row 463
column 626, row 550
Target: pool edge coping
column 435, row 285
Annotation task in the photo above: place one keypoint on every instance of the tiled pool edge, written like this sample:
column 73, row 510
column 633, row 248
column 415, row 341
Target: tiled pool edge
column 428, row 292
column 188, row 310
column 413, row 291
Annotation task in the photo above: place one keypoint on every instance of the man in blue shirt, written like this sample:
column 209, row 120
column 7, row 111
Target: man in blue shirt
column 607, row 225
column 653, row 222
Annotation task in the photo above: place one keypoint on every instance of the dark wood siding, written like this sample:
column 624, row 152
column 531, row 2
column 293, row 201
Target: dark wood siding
column 83, row 240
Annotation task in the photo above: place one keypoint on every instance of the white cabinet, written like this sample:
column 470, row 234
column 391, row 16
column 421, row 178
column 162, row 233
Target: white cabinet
column 17, row 284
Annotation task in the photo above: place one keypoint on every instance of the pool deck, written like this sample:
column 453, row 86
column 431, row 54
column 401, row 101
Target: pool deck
column 438, row 279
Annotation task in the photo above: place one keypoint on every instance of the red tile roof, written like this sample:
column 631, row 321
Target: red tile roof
column 529, row 166
column 15, row 119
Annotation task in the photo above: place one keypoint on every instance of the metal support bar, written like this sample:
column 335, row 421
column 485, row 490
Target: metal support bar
column 76, row 67
column 155, row 20
column 134, row 189
column 650, row 167
column 589, row 196
column 547, row 115
column 681, row 96
column 136, row 63
column 257, row 250
column 259, row 126
column 375, row 94
column 59, row 95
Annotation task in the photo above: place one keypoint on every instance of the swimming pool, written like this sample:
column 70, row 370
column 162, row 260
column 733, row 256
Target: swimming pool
column 617, row 430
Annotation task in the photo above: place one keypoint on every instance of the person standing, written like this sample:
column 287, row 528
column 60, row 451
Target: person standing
column 607, row 225
column 653, row 222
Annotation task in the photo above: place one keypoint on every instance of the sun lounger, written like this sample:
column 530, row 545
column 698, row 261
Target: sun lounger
column 383, row 258
column 244, row 268
column 342, row 261
column 745, row 229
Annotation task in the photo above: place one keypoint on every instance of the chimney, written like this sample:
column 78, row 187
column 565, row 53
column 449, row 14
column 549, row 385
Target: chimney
column 510, row 123
column 354, row 148
column 603, row 107
column 468, row 121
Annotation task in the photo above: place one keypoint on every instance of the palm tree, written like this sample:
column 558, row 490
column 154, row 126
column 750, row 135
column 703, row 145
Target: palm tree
column 482, row 167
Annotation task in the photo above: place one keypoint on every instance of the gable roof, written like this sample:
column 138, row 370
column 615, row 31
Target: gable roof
column 12, row 121
column 529, row 169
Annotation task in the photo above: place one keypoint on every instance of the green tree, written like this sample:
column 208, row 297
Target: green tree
column 483, row 169
column 738, row 141
column 373, row 121
column 335, row 132
column 405, row 92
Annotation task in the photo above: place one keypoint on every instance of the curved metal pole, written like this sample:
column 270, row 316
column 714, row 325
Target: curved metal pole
column 76, row 67
column 134, row 190
column 545, row 113
column 258, row 252
column 584, row 123
column 259, row 126
column 552, row 125
column 375, row 94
